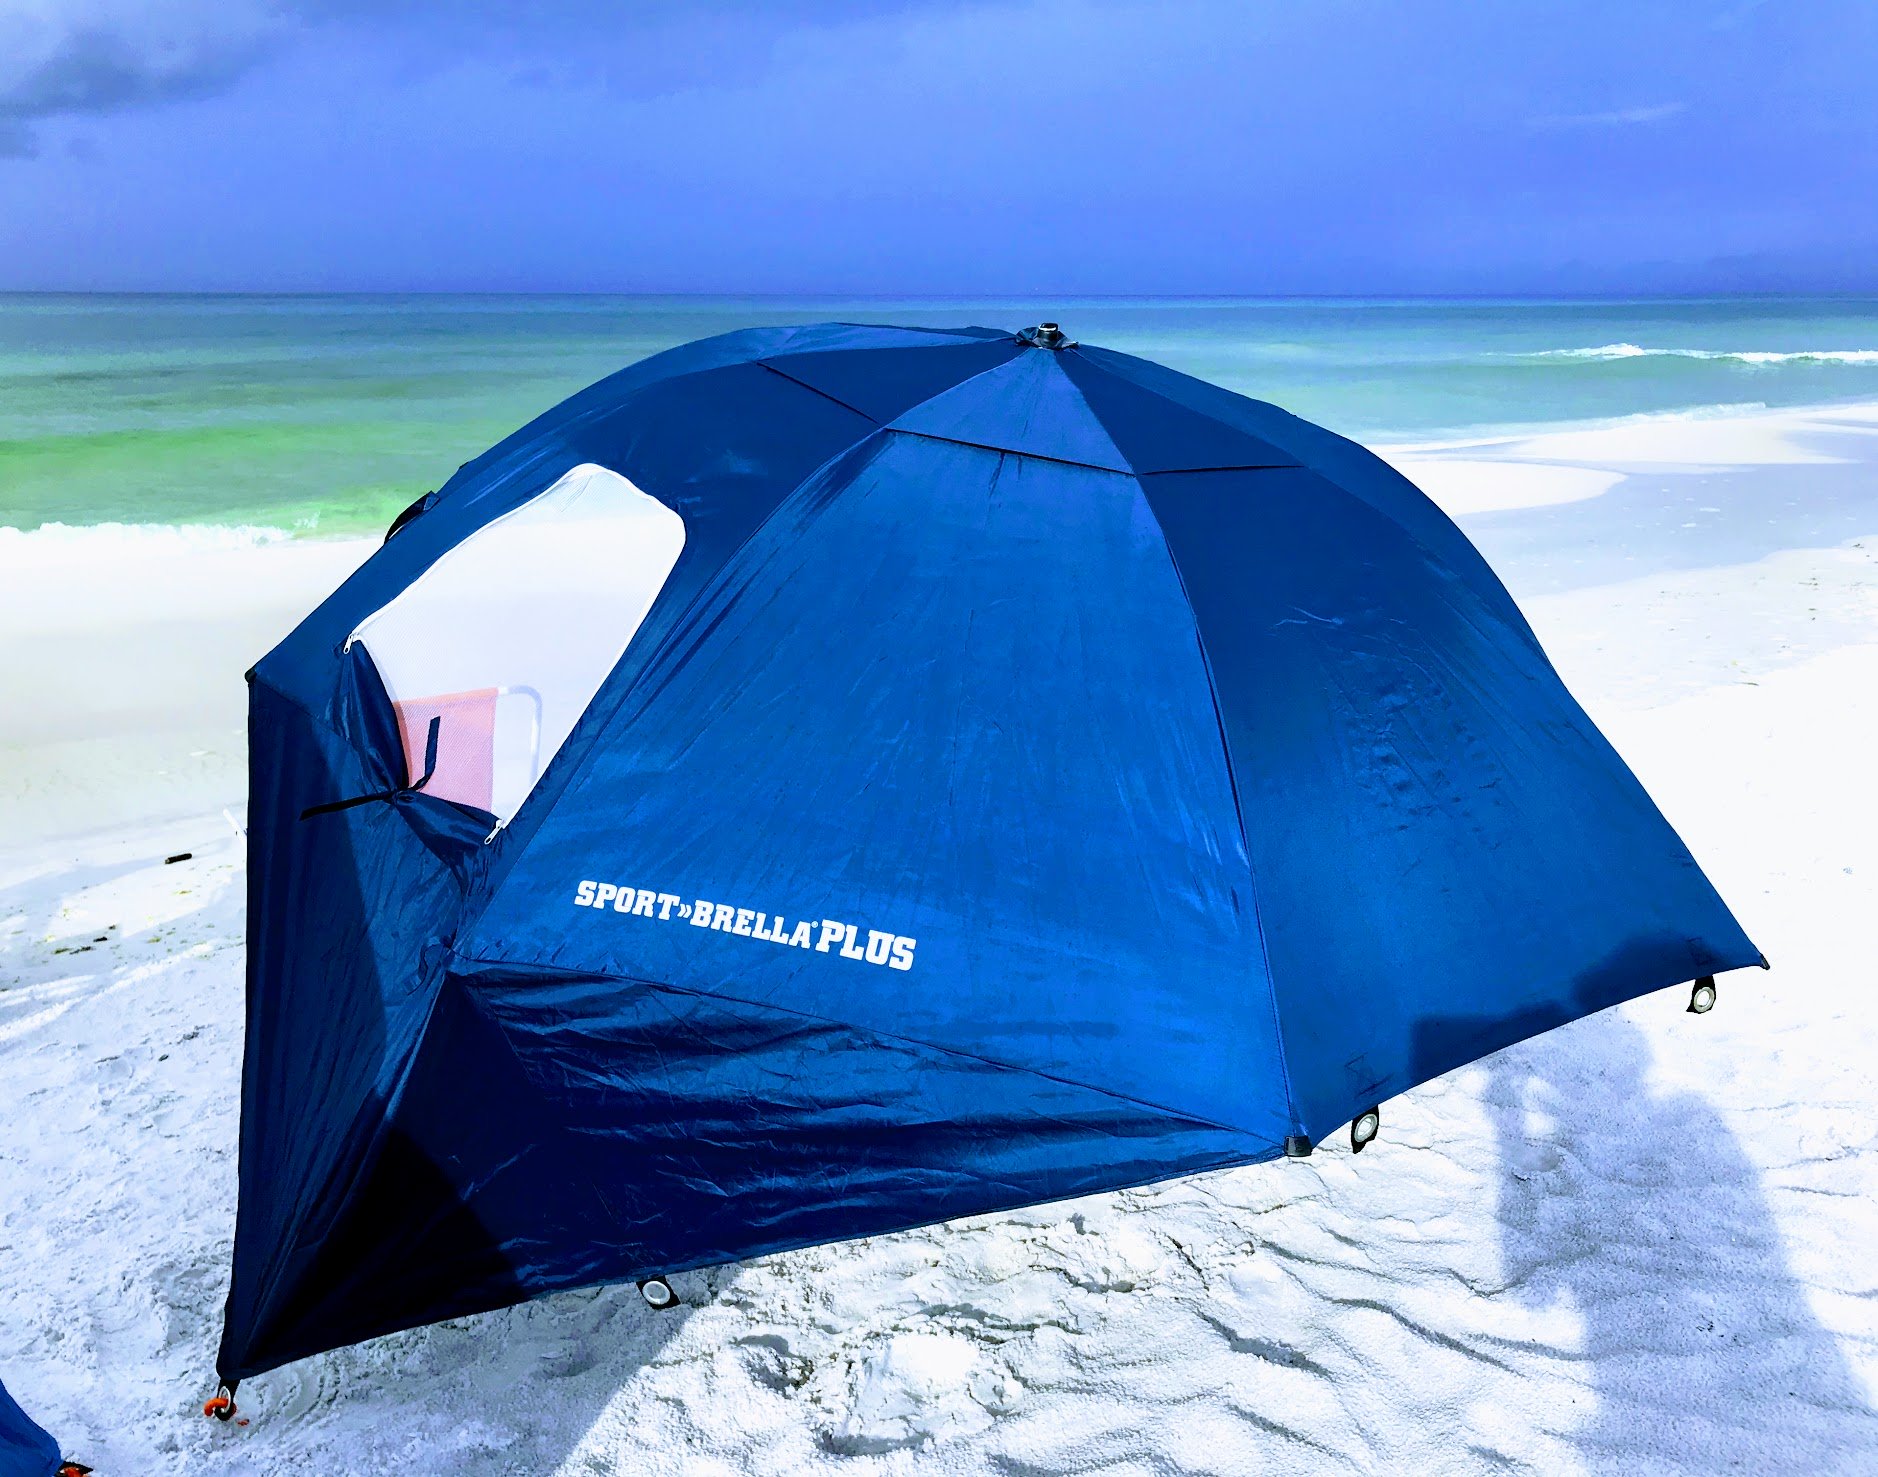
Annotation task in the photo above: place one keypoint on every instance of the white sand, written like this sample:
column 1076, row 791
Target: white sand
column 1463, row 485
column 1638, row 1244
column 1566, row 465
column 122, row 651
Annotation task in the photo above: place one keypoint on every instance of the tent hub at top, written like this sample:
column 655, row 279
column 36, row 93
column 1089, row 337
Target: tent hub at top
column 1046, row 336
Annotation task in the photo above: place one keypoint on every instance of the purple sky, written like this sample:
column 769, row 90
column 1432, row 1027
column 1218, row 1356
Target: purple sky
column 868, row 146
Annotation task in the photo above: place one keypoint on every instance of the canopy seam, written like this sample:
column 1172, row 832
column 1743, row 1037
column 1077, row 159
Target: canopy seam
column 1238, row 807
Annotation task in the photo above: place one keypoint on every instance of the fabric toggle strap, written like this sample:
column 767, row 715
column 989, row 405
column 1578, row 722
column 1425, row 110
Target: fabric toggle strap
column 430, row 768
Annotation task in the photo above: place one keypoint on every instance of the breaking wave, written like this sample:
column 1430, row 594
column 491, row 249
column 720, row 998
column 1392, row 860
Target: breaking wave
column 1739, row 356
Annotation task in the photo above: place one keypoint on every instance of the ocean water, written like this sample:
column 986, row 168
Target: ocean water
column 323, row 415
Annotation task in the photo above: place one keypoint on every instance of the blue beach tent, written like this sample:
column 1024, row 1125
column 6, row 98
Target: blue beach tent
column 25, row 1450
column 820, row 781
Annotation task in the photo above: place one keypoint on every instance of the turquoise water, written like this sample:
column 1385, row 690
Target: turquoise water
column 328, row 414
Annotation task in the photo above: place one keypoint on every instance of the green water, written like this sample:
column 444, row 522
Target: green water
column 328, row 414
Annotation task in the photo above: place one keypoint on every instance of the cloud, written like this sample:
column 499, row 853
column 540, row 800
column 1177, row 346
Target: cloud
column 1614, row 118
column 64, row 57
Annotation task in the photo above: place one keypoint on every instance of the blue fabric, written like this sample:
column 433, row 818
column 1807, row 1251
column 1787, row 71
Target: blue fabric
column 1042, row 773
column 1028, row 406
column 1448, row 855
column 25, row 1450
column 882, row 382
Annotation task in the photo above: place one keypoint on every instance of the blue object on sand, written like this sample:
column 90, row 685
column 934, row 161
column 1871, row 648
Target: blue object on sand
column 824, row 780
column 25, row 1450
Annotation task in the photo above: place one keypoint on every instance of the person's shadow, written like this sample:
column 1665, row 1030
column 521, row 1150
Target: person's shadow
column 1640, row 1207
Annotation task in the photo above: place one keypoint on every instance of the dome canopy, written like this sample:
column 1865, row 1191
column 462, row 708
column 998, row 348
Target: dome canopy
column 820, row 781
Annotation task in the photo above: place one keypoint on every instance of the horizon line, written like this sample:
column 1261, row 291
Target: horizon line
column 1014, row 296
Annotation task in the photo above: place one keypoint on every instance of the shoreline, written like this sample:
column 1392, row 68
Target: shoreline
column 1576, row 460
column 1863, row 407
column 1748, row 433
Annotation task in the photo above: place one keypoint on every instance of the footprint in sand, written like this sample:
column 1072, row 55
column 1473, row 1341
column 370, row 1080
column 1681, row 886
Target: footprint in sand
column 920, row 1389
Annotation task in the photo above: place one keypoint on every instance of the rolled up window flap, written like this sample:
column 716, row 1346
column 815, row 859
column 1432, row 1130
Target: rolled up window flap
column 368, row 718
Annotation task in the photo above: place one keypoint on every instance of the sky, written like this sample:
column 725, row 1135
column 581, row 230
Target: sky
column 1338, row 147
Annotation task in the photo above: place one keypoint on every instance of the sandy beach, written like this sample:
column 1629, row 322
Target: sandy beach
column 1631, row 1245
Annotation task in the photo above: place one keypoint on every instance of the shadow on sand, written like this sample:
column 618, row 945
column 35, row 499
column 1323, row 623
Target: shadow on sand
column 1639, row 1206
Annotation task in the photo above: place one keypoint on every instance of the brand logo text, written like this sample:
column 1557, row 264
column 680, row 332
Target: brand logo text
column 824, row 935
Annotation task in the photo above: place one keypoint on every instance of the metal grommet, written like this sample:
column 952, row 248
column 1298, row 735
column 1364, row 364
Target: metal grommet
column 1702, row 997
column 658, row 1294
column 1364, row 1127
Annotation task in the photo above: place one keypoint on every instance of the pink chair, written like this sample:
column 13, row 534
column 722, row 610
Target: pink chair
column 465, row 769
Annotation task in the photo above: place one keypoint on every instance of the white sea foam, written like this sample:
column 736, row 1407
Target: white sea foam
column 53, row 539
column 1739, row 356
column 1724, row 410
